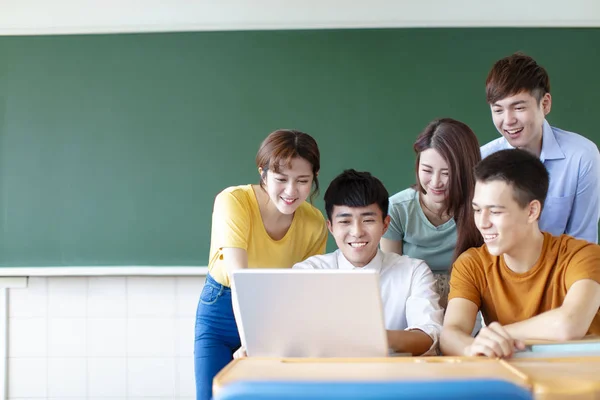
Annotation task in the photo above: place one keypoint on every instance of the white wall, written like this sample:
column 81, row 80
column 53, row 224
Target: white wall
column 102, row 338
column 99, row 16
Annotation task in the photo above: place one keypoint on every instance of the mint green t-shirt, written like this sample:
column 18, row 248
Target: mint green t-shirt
column 420, row 239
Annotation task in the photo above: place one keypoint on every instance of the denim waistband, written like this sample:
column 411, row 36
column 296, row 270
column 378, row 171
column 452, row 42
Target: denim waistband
column 210, row 280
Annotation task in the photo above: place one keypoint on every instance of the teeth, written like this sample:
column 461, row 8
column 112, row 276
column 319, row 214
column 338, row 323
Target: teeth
column 489, row 237
column 513, row 131
column 355, row 245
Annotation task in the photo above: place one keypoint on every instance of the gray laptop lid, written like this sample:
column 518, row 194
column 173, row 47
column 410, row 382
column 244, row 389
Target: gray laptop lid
column 310, row 313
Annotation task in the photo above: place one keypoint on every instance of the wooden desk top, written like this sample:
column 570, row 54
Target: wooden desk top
column 367, row 369
column 547, row 378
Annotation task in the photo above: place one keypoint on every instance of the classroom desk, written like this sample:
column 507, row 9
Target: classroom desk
column 461, row 376
column 458, row 377
column 562, row 378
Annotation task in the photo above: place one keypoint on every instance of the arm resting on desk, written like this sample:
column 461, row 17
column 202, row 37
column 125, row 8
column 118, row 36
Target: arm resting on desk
column 569, row 321
column 458, row 325
column 414, row 341
column 491, row 341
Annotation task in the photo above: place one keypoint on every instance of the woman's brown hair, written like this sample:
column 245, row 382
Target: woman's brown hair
column 283, row 145
column 458, row 145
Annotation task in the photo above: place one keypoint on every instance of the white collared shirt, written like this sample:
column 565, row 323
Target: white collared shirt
column 407, row 290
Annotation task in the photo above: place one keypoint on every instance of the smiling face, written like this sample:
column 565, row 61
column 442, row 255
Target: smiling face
column 506, row 227
column 520, row 118
column 357, row 231
column 289, row 187
column 434, row 176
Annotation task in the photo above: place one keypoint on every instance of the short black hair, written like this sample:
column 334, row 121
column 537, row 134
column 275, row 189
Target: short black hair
column 519, row 169
column 353, row 188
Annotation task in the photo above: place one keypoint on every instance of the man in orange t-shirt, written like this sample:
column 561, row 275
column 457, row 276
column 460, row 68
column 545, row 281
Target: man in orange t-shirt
column 528, row 284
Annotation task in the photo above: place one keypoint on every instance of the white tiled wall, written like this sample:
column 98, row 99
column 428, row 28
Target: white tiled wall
column 102, row 338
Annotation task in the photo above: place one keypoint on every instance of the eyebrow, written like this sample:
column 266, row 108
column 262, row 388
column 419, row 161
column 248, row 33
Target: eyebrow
column 488, row 206
column 511, row 104
column 299, row 176
column 429, row 166
column 365, row 214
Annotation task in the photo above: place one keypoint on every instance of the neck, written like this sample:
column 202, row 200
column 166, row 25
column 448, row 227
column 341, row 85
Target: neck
column 536, row 147
column 270, row 215
column 523, row 258
column 438, row 209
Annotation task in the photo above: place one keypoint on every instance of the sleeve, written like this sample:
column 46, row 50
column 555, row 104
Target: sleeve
column 583, row 222
column 423, row 311
column 584, row 264
column 395, row 230
column 463, row 283
column 230, row 222
column 310, row 263
column 318, row 246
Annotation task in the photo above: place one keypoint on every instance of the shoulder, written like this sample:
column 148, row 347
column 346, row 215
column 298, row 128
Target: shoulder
column 404, row 203
column 405, row 196
column 475, row 258
column 310, row 215
column 494, row 146
column 403, row 264
column 574, row 144
column 324, row 261
column 573, row 249
column 235, row 197
column 242, row 192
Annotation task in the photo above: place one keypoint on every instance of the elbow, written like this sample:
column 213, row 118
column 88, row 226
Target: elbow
column 445, row 343
column 568, row 329
column 454, row 341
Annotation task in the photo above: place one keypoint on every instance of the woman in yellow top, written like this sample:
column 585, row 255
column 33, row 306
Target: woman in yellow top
column 269, row 225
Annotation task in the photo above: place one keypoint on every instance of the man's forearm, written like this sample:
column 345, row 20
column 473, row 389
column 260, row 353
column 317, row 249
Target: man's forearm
column 415, row 342
column 555, row 324
column 454, row 341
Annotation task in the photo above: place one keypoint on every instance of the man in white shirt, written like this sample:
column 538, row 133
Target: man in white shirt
column 356, row 204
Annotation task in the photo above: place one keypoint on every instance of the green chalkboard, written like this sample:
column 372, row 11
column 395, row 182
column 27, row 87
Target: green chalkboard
column 112, row 147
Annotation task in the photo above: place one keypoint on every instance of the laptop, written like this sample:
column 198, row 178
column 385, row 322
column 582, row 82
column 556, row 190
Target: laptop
column 309, row 313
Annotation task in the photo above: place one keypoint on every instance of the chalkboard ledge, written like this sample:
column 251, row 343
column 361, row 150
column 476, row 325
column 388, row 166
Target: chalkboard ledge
column 104, row 271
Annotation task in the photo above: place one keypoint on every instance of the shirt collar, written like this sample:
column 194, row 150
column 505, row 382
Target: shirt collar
column 550, row 148
column 375, row 264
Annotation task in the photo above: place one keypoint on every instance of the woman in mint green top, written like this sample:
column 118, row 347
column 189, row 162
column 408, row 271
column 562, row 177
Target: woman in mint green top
column 433, row 220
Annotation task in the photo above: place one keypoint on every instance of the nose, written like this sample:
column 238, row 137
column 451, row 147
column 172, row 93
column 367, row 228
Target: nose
column 436, row 180
column 357, row 229
column 510, row 117
column 482, row 220
column 291, row 188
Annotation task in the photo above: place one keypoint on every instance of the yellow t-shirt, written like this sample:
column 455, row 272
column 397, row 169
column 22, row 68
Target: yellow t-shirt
column 237, row 223
column 508, row 297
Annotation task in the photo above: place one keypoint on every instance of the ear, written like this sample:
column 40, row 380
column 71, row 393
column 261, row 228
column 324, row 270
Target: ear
column 329, row 226
column 546, row 103
column 535, row 210
column 386, row 224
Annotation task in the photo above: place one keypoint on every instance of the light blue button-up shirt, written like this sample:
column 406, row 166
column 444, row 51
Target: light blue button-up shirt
column 573, row 163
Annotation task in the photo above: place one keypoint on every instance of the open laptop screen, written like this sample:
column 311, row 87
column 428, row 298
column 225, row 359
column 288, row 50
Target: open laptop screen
column 310, row 313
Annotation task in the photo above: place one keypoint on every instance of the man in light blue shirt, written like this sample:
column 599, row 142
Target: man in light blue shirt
column 518, row 91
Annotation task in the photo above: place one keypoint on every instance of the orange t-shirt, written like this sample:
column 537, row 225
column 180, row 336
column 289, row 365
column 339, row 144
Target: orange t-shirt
column 507, row 297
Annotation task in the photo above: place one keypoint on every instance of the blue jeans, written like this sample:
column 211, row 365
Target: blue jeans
column 217, row 335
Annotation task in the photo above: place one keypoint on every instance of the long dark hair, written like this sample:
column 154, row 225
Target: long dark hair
column 458, row 145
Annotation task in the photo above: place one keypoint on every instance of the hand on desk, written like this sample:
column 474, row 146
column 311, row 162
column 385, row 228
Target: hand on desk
column 494, row 341
column 240, row 353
